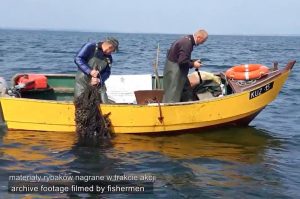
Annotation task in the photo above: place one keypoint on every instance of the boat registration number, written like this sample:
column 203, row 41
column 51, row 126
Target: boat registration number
column 261, row 90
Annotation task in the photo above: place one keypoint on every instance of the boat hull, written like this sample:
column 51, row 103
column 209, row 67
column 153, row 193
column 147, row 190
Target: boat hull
column 236, row 109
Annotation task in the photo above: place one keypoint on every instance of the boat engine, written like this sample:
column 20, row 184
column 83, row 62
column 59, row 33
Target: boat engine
column 3, row 87
column 6, row 91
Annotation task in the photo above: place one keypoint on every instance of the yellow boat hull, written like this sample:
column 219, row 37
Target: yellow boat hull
column 47, row 115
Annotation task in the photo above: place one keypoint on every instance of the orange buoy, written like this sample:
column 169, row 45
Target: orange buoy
column 247, row 72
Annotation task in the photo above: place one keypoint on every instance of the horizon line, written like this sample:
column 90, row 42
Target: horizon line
column 119, row 32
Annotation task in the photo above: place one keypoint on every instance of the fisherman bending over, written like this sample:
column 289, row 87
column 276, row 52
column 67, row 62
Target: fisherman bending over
column 94, row 66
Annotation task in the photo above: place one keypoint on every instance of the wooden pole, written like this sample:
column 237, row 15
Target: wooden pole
column 155, row 66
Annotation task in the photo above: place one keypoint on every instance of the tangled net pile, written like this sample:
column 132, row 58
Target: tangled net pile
column 90, row 122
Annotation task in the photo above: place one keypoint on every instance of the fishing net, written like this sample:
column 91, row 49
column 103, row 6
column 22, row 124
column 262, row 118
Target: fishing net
column 90, row 122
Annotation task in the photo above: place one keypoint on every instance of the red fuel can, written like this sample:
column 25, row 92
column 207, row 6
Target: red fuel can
column 33, row 81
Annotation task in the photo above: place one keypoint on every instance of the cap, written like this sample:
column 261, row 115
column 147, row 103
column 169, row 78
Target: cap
column 113, row 41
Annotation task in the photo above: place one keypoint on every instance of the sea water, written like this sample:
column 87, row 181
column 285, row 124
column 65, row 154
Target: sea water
column 259, row 161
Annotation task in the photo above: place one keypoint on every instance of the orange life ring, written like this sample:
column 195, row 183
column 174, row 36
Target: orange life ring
column 247, row 72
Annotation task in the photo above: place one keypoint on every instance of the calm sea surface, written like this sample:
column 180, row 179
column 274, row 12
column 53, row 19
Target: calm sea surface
column 260, row 161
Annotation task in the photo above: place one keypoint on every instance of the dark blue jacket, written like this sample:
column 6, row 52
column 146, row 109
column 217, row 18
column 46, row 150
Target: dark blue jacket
column 85, row 54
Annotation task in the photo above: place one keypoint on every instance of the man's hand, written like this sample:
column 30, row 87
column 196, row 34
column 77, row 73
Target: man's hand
column 197, row 64
column 94, row 73
column 95, row 81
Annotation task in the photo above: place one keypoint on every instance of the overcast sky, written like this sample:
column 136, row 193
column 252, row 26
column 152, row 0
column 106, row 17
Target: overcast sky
column 263, row 17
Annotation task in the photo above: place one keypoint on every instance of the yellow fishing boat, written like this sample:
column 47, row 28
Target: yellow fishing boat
column 50, row 109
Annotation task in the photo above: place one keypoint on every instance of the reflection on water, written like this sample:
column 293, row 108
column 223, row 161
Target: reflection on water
column 189, row 164
column 236, row 144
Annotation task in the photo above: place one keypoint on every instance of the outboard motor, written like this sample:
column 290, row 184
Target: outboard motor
column 6, row 91
column 3, row 87
column 15, row 91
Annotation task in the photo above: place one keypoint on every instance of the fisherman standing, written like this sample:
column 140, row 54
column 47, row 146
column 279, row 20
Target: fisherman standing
column 94, row 62
column 178, row 64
